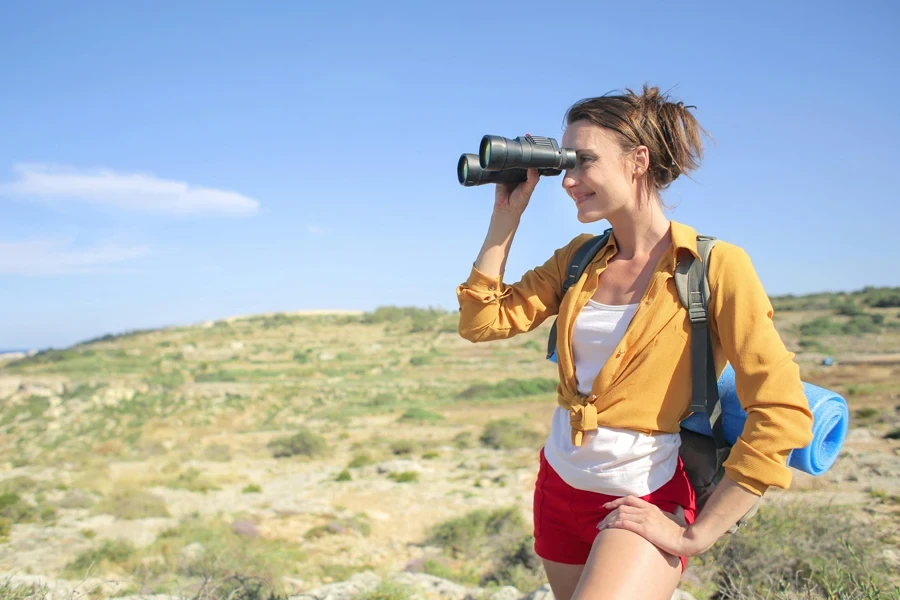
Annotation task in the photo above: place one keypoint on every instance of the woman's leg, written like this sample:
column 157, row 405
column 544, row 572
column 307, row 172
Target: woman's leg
column 563, row 578
column 623, row 565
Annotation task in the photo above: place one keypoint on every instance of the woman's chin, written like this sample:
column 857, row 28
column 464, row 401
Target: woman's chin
column 589, row 216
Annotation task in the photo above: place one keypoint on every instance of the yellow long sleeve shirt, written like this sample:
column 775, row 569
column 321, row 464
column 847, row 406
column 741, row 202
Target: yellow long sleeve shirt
column 646, row 384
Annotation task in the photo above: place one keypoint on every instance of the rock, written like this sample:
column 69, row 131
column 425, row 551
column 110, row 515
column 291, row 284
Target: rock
column 507, row 592
column 892, row 557
column 542, row 593
column 433, row 586
column 148, row 597
column 245, row 528
column 859, row 434
column 399, row 466
column 360, row 583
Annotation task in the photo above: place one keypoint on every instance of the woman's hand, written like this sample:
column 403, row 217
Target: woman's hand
column 512, row 198
column 666, row 531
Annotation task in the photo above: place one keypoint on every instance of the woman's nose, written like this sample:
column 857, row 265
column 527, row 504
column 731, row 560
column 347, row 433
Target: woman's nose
column 568, row 181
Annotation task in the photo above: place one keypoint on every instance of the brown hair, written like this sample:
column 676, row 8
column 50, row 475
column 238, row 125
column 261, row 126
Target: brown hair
column 666, row 128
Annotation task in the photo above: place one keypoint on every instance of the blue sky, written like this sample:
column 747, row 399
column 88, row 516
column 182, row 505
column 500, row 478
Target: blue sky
column 166, row 163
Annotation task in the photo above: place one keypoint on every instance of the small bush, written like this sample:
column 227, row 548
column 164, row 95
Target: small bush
column 820, row 326
column 463, row 440
column 343, row 476
column 405, row 477
column 420, row 360
column 5, row 527
column 191, row 480
column 827, row 550
column 418, row 414
column 866, row 413
column 252, row 488
column 402, row 447
column 302, row 443
column 894, row 434
column 479, row 532
column 507, row 434
column 111, row 552
column 360, row 460
column 430, row 455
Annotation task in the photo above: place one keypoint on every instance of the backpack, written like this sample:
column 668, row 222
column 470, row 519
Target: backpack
column 702, row 455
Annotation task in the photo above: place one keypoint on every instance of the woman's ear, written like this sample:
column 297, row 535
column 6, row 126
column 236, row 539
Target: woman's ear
column 641, row 161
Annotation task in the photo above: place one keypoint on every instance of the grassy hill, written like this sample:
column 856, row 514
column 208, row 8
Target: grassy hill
column 300, row 449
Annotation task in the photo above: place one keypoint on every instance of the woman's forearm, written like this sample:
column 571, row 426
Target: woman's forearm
column 492, row 258
column 725, row 507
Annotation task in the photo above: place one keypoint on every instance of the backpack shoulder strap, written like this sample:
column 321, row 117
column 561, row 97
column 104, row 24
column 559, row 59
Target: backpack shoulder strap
column 580, row 260
column 692, row 284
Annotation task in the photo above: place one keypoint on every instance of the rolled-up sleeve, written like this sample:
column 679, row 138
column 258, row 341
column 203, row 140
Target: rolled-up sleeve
column 491, row 310
column 767, row 379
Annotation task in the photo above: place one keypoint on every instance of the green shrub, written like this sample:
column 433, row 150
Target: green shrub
column 191, row 480
column 463, row 440
column 894, row 434
column 882, row 297
column 252, row 488
column 479, row 532
column 402, row 447
column 820, row 326
column 508, row 434
column 5, row 527
column 405, row 477
column 827, row 550
column 111, row 552
column 849, row 308
column 303, row 443
column 360, row 460
column 860, row 324
column 14, row 508
column 343, row 476
column 420, row 414
column 866, row 413
column 419, row 360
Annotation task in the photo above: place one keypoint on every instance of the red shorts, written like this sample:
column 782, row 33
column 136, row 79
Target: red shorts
column 566, row 518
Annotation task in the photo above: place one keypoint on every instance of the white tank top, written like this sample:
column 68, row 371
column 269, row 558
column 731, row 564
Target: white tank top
column 611, row 461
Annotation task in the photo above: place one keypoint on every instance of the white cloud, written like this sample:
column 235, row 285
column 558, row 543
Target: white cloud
column 315, row 230
column 134, row 191
column 59, row 257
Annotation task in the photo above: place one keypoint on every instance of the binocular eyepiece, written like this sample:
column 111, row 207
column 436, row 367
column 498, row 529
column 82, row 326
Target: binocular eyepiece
column 503, row 160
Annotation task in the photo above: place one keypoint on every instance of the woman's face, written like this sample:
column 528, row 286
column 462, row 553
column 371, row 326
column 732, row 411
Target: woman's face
column 603, row 181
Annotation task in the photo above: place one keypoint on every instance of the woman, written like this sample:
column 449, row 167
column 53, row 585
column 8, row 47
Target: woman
column 614, row 514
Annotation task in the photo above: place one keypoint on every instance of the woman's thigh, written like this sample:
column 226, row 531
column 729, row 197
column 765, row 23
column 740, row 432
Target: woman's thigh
column 623, row 565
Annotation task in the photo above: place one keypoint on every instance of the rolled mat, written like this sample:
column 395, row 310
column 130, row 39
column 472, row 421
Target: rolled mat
column 831, row 417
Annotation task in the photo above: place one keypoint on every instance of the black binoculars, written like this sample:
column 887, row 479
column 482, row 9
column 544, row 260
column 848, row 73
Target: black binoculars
column 502, row 160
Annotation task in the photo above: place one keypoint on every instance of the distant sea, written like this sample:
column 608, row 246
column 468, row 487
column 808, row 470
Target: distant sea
column 6, row 351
